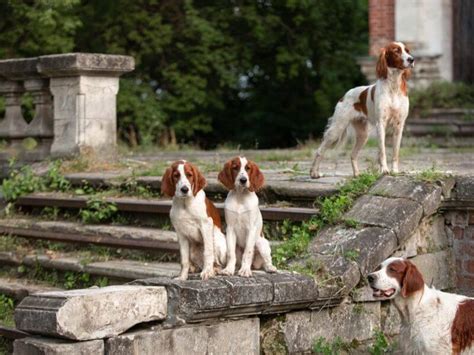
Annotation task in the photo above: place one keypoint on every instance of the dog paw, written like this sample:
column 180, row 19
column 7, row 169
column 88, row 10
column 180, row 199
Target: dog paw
column 270, row 269
column 181, row 278
column 227, row 272
column 207, row 274
column 384, row 171
column 314, row 174
column 245, row 272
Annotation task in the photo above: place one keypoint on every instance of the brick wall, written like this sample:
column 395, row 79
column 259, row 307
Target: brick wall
column 462, row 226
column 381, row 24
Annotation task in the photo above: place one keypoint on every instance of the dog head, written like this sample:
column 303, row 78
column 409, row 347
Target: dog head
column 182, row 179
column 396, row 276
column 394, row 55
column 241, row 174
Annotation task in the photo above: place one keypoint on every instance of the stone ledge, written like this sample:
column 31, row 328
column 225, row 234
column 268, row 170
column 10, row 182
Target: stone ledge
column 49, row 346
column 196, row 300
column 74, row 64
column 19, row 69
column 93, row 313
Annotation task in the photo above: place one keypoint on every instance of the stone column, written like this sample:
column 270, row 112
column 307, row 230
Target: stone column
column 381, row 24
column 84, row 87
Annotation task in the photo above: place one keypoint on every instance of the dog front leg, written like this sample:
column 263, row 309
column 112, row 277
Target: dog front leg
column 208, row 241
column 231, row 258
column 397, row 140
column 184, row 253
column 382, row 156
column 247, row 258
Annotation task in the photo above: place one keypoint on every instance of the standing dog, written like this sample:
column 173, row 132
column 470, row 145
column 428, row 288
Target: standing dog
column 384, row 103
column 433, row 322
column 243, row 217
column 195, row 219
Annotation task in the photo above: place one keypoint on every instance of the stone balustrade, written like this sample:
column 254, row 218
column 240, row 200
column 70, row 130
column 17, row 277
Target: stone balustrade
column 74, row 98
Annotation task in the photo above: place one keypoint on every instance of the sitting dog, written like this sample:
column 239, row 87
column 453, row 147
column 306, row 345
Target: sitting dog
column 433, row 322
column 195, row 219
column 381, row 104
column 244, row 219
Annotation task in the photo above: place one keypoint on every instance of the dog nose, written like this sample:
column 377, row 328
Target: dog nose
column 411, row 60
column 371, row 278
column 184, row 189
column 243, row 180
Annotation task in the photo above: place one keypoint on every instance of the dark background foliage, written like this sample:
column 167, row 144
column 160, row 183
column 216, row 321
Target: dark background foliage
column 258, row 73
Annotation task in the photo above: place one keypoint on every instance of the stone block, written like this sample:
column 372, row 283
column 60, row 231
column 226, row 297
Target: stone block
column 229, row 337
column 51, row 346
column 437, row 269
column 427, row 194
column 465, row 188
column 390, row 319
column 368, row 246
column 348, row 321
column 93, row 313
column 398, row 214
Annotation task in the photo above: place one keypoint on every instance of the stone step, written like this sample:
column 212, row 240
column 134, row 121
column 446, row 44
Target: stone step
column 152, row 206
column 122, row 270
column 114, row 236
column 302, row 192
column 92, row 313
column 20, row 288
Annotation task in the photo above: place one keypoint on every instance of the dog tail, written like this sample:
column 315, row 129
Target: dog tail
column 337, row 129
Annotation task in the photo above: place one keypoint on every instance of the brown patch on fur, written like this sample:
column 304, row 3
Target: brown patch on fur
column 462, row 330
column 372, row 92
column 213, row 212
column 197, row 180
column 172, row 175
column 407, row 275
column 361, row 106
column 403, row 86
column 229, row 172
column 256, row 177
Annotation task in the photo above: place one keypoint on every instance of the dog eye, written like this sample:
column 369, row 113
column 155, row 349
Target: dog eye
column 189, row 175
column 235, row 167
column 247, row 168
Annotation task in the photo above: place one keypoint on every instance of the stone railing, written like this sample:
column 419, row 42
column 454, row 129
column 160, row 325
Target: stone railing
column 74, row 97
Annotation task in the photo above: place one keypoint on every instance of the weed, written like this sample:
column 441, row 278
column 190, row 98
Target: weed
column 324, row 347
column 97, row 211
column 430, row 175
column 351, row 255
column 50, row 213
column 21, row 182
column 331, row 210
column 351, row 223
column 380, row 345
column 54, row 179
column 7, row 306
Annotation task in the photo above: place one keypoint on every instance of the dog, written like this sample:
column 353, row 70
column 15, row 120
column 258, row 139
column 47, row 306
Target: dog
column 244, row 231
column 381, row 104
column 433, row 322
column 196, row 220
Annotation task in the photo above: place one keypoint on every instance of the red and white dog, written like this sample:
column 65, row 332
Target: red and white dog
column 433, row 322
column 243, row 217
column 384, row 103
column 195, row 218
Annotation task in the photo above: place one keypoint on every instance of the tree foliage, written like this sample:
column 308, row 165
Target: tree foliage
column 257, row 73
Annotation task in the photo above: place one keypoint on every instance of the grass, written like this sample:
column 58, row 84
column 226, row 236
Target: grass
column 430, row 175
column 7, row 306
column 332, row 209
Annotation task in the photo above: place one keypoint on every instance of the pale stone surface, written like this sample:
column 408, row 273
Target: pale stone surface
column 90, row 313
column 391, row 320
column 84, row 114
column 349, row 321
column 232, row 337
column 49, row 346
column 437, row 269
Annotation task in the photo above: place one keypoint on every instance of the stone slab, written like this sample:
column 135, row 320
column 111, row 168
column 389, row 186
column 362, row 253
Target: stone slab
column 19, row 289
column 69, row 64
column 465, row 188
column 93, row 313
column 398, row 214
column 368, row 246
column 348, row 321
column 229, row 337
column 51, row 346
column 427, row 194
column 130, row 269
column 195, row 300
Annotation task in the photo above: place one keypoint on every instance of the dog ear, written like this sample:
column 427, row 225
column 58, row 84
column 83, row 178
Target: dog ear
column 412, row 280
column 406, row 74
column 225, row 176
column 199, row 180
column 256, row 177
column 382, row 68
column 168, row 187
